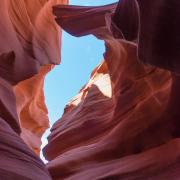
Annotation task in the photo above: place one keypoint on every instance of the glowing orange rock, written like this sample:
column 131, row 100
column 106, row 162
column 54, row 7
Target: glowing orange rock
column 28, row 50
column 31, row 108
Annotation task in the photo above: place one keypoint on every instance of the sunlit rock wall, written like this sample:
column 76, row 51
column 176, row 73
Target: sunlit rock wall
column 31, row 109
column 114, row 117
column 123, row 124
column 30, row 43
column 40, row 39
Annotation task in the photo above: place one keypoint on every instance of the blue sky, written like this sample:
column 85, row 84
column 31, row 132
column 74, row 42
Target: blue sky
column 79, row 57
column 91, row 2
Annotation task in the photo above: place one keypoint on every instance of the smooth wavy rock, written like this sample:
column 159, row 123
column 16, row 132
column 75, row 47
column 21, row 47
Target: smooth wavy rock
column 28, row 50
column 17, row 161
column 24, row 32
column 41, row 44
column 8, row 105
column 119, row 125
column 31, row 108
column 159, row 40
column 156, row 25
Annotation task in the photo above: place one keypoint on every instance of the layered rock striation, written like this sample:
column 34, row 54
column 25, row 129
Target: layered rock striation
column 124, row 123
column 28, row 50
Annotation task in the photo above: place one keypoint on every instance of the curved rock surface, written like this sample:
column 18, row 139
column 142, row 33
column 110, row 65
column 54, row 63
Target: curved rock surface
column 114, row 117
column 124, row 123
column 17, row 161
column 28, row 50
column 31, row 108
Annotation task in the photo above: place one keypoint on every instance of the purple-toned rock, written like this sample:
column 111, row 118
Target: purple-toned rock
column 124, row 123
column 28, row 50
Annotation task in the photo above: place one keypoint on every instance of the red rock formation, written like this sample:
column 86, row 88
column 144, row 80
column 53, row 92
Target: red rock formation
column 31, row 108
column 159, row 40
column 124, row 123
column 28, row 48
column 37, row 42
column 17, row 161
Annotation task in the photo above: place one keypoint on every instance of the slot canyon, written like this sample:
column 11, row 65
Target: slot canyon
column 124, row 124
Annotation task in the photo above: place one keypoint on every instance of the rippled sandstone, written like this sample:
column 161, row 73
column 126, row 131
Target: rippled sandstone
column 28, row 50
column 124, row 123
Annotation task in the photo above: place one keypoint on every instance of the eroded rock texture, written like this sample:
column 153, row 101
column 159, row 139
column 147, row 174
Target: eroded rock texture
column 31, row 108
column 124, row 123
column 28, row 50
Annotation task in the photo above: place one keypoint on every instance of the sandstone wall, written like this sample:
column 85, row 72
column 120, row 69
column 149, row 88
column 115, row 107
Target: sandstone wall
column 29, row 46
column 124, row 123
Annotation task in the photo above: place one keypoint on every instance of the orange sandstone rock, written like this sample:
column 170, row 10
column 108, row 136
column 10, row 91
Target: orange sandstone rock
column 30, row 22
column 31, row 108
column 114, row 127
column 28, row 50
column 124, row 123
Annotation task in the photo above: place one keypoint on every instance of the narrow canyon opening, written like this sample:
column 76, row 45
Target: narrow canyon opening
column 113, row 103
column 79, row 57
